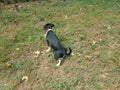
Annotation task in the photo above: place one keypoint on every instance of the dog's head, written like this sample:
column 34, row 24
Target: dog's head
column 48, row 26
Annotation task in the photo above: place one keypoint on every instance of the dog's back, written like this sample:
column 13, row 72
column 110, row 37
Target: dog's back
column 53, row 40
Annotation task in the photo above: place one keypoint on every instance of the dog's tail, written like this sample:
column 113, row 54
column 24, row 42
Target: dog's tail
column 69, row 51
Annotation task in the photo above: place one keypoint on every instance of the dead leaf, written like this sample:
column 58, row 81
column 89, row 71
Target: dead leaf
column 87, row 56
column 17, row 49
column 116, row 85
column 66, row 16
column 119, row 63
column 100, row 40
column 25, row 78
column 103, row 75
column 8, row 64
column 42, row 51
column 112, row 37
column 109, row 27
column 78, row 54
column 93, row 42
column 37, row 52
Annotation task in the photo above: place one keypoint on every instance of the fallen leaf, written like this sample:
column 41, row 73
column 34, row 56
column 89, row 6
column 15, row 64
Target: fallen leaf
column 17, row 49
column 25, row 78
column 42, row 52
column 78, row 54
column 87, row 56
column 108, row 27
column 119, row 63
column 66, row 16
column 8, row 64
column 116, row 85
column 93, row 42
column 105, row 75
column 112, row 37
column 100, row 40
column 37, row 52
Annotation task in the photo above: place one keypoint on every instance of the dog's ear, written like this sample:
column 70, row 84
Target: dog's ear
column 48, row 26
column 52, row 25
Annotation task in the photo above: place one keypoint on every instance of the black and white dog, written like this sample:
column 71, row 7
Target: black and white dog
column 53, row 42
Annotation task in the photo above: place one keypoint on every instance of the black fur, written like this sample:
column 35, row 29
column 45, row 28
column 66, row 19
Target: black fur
column 48, row 26
column 53, row 41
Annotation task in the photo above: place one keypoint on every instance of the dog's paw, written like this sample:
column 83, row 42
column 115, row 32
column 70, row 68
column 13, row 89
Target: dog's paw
column 58, row 64
column 48, row 50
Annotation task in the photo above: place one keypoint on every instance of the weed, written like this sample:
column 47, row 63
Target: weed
column 106, row 41
column 22, row 65
column 94, row 46
column 119, row 39
column 73, row 82
column 58, row 85
column 94, row 82
column 5, row 47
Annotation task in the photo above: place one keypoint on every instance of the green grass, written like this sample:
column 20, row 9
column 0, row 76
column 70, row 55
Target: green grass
column 90, row 27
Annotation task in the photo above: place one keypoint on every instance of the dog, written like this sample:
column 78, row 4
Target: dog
column 53, row 42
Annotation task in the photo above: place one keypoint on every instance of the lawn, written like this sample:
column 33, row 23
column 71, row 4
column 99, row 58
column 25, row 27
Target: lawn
column 90, row 27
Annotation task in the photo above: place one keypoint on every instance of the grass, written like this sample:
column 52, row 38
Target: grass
column 90, row 27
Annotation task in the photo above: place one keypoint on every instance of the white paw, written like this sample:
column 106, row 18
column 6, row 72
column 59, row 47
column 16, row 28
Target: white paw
column 58, row 64
column 48, row 50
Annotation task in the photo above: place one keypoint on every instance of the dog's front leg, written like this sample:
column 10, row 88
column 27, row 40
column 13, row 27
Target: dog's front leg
column 48, row 50
column 59, row 62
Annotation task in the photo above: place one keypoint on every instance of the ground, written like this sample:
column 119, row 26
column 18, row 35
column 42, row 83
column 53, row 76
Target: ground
column 90, row 27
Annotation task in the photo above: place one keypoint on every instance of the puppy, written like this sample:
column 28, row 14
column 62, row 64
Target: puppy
column 53, row 42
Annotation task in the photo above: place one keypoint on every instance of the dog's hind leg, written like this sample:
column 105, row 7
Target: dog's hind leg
column 48, row 50
column 59, row 62
column 59, row 57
